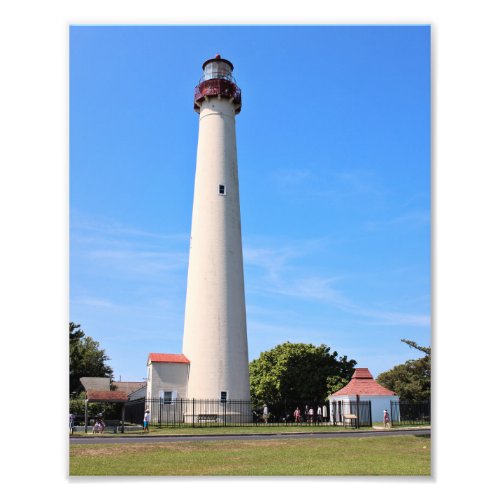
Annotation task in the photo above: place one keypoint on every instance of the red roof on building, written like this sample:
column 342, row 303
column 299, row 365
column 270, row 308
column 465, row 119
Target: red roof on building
column 363, row 384
column 107, row 396
column 167, row 358
column 128, row 387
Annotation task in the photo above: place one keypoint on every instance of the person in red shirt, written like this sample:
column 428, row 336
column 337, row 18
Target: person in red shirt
column 296, row 414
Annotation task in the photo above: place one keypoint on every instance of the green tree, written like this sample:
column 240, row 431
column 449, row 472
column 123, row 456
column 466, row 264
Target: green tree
column 411, row 381
column 85, row 358
column 297, row 372
column 426, row 350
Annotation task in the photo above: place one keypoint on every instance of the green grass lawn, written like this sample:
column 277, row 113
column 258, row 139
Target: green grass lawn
column 364, row 456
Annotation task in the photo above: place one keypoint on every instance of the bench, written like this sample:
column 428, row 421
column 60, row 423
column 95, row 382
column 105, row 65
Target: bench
column 207, row 417
column 113, row 423
column 348, row 419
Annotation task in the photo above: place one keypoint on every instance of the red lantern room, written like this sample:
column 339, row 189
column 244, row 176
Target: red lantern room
column 217, row 81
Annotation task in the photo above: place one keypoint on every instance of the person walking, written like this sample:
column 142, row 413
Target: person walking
column 296, row 415
column 71, row 423
column 325, row 413
column 147, row 419
column 387, row 419
column 265, row 414
column 311, row 415
column 318, row 415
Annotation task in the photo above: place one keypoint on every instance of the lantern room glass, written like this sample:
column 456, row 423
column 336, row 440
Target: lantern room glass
column 217, row 69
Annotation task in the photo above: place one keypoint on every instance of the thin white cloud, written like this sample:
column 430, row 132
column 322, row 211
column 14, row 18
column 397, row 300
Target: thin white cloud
column 139, row 261
column 283, row 277
column 416, row 217
column 106, row 246
column 413, row 218
column 321, row 290
column 98, row 225
column 292, row 176
column 328, row 182
column 95, row 302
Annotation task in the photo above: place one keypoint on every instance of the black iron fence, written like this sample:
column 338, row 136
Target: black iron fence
column 352, row 413
column 410, row 413
column 216, row 413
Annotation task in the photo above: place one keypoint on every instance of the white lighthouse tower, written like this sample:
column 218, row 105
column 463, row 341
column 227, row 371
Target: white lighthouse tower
column 215, row 333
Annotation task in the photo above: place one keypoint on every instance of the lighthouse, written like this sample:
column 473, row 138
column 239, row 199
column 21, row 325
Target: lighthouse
column 215, row 333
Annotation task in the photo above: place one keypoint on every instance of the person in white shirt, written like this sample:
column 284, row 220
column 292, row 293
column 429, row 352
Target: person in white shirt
column 387, row 419
column 147, row 419
column 265, row 414
column 318, row 415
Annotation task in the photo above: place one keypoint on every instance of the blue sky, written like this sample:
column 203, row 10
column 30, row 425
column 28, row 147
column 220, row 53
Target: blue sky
column 334, row 166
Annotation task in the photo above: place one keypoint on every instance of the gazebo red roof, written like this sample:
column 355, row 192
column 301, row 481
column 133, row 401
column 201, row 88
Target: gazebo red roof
column 363, row 384
column 167, row 358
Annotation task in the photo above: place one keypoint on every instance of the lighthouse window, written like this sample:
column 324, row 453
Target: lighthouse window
column 222, row 189
column 217, row 69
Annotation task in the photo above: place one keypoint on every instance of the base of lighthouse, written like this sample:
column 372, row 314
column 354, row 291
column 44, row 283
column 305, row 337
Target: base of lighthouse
column 219, row 413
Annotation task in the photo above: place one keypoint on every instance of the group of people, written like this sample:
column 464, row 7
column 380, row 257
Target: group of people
column 310, row 415
column 99, row 424
column 98, row 427
column 317, row 416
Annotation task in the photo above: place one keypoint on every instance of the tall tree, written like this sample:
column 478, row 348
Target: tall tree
column 85, row 358
column 411, row 381
column 426, row 350
column 297, row 372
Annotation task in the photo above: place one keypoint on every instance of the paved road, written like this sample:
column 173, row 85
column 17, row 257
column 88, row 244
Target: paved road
column 240, row 437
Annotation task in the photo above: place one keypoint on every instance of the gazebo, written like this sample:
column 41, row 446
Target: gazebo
column 362, row 387
column 94, row 396
column 98, row 390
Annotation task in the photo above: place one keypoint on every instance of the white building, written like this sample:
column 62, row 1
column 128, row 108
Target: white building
column 167, row 377
column 166, row 384
column 362, row 387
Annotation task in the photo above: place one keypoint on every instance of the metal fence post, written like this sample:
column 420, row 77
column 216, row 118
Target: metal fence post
column 86, row 414
column 160, row 402
column 357, row 411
